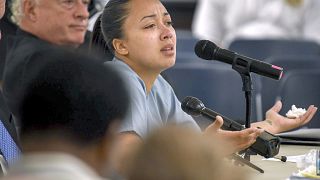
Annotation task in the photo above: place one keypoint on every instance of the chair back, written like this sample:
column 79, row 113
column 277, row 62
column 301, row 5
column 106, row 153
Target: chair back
column 301, row 88
column 269, row 87
column 265, row 48
column 215, row 84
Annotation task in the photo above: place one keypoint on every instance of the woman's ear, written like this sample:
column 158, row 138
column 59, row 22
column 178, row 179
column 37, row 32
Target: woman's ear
column 120, row 47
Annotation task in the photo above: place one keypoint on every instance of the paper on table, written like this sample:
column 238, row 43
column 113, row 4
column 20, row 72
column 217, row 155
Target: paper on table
column 309, row 172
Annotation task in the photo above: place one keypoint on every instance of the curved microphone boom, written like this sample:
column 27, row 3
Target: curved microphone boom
column 207, row 50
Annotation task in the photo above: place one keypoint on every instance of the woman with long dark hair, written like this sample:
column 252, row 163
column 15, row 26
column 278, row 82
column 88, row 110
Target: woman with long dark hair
column 140, row 35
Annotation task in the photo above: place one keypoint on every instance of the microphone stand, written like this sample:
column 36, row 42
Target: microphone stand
column 244, row 71
column 243, row 161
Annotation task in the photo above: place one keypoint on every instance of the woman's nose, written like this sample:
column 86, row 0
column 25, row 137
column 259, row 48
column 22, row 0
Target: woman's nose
column 167, row 33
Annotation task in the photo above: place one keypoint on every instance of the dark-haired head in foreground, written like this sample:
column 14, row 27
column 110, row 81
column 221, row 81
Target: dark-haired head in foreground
column 71, row 104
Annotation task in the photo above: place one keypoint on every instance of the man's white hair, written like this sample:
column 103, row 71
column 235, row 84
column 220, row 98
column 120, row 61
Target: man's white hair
column 17, row 10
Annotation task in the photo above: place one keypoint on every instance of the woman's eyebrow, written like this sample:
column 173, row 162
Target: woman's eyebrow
column 154, row 15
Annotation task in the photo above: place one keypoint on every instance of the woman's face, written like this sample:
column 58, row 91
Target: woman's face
column 149, row 36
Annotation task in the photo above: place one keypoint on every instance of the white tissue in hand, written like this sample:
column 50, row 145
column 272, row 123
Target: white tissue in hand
column 295, row 112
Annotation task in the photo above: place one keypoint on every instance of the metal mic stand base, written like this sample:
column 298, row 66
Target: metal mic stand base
column 243, row 161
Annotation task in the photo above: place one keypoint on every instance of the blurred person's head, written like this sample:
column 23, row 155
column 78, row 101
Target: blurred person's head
column 60, row 22
column 72, row 104
column 173, row 153
column 2, row 8
column 140, row 33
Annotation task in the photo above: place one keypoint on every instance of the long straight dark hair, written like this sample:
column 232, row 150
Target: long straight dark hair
column 109, row 26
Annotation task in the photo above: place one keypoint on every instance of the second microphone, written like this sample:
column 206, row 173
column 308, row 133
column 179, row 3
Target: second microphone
column 207, row 50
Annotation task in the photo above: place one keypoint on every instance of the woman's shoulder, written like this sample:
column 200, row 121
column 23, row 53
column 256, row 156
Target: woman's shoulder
column 123, row 69
column 163, row 87
column 133, row 81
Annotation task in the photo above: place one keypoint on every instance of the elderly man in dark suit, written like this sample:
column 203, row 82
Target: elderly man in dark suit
column 41, row 25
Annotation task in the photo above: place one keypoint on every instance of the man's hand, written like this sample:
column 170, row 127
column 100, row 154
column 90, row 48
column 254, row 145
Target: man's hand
column 276, row 123
column 238, row 140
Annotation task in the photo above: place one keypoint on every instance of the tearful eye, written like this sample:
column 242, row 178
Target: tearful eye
column 150, row 26
column 170, row 23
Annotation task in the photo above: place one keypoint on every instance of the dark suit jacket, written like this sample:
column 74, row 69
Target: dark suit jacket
column 7, row 120
column 19, row 62
column 7, row 29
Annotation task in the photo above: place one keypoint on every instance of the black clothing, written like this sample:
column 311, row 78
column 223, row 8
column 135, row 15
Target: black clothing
column 19, row 60
column 19, row 63
column 7, row 28
column 7, row 120
column 9, row 146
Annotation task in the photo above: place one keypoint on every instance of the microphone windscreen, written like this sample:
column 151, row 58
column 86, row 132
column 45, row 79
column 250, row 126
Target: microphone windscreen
column 192, row 106
column 205, row 49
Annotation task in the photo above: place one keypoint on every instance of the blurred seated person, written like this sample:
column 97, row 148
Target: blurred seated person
column 168, row 154
column 9, row 150
column 8, row 28
column 70, row 110
column 224, row 21
column 2, row 7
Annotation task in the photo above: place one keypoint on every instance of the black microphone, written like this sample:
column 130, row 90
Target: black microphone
column 207, row 50
column 266, row 144
column 194, row 107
